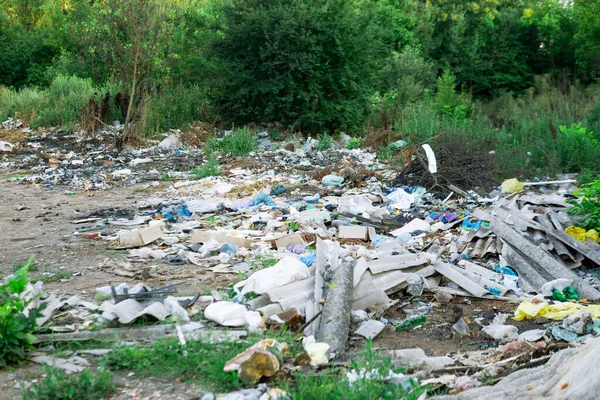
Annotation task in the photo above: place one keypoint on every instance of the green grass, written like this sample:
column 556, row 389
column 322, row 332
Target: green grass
column 52, row 276
column 240, row 142
column 210, row 168
column 263, row 261
column 165, row 177
column 202, row 363
column 61, row 104
column 56, row 384
column 116, row 252
column 33, row 266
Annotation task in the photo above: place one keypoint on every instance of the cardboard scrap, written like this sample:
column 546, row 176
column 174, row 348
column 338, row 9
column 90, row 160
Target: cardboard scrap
column 140, row 237
column 356, row 232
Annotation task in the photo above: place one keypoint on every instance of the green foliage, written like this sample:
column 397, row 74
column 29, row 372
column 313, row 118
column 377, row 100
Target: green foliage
column 56, row 384
column 61, row 104
column 354, row 143
column 210, row 168
column 334, row 385
column 324, row 141
column 447, row 100
column 16, row 327
column 263, row 261
column 200, row 362
column 174, row 107
column 587, row 206
column 576, row 146
column 304, row 63
column 239, row 142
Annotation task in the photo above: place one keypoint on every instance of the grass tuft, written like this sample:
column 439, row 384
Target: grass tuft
column 210, row 168
column 240, row 142
column 86, row 385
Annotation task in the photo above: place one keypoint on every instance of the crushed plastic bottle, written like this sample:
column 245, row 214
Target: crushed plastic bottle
column 558, row 295
column 570, row 293
column 411, row 322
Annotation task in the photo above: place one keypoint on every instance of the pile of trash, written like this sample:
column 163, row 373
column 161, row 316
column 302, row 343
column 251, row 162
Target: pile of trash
column 346, row 263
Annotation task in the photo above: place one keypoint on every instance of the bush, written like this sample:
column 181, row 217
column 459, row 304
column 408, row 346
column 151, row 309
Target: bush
column 84, row 385
column 304, row 63
column 174, row 107
column 239, row 142
column 17, row 322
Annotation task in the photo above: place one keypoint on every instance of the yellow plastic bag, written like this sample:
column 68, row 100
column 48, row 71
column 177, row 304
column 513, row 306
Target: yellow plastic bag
column 581, row 234
column 512, row 186
column 557, row 311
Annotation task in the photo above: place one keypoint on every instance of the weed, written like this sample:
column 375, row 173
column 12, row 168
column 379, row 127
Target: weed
column 201, row 362
column 34, row 266
column 16, row 328
column 587, row 206
column 116, row 252
column 372, row 382
column 100, row 297
column 141, row 190
column 210, row 168
column 587, row 175
column 263, row 261
column 53, row 276
column 239, row 142
column 354, row 143
column 324, row 142
column 80, row 386
column 294, row 226
column 386, row 152
column 165, row 177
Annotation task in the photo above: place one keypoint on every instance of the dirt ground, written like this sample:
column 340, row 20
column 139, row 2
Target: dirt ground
column 36, row 220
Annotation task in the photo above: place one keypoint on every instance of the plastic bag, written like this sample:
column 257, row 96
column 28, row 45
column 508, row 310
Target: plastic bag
column 501, row 332
column 512, row 186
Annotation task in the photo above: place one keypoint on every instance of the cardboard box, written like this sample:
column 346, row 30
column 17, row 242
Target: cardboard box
column 200, row 236
column 285, row 241
column 356, row 232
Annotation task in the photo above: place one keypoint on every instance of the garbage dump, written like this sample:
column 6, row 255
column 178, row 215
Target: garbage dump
column 459, row 289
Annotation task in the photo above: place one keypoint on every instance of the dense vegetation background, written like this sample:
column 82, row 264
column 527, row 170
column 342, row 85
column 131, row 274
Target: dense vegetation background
column 515, row 77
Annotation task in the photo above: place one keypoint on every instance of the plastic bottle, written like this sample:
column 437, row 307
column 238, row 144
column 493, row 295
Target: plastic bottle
column 570, row 293
column 558, row 295
column 411, row 322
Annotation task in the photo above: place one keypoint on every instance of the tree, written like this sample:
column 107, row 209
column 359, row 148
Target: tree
column 304, row 63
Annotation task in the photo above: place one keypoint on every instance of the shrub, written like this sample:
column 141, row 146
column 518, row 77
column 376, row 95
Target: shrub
column 304, row 63
column 84, row 385
column 17, row 322
column 324, row 142
column 239, row 142
column 174, row 107
column 587, row 206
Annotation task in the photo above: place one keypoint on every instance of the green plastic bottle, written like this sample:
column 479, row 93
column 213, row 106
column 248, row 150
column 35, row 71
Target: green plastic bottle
column 570, row 293
column 412, row 322
column 558, row 295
